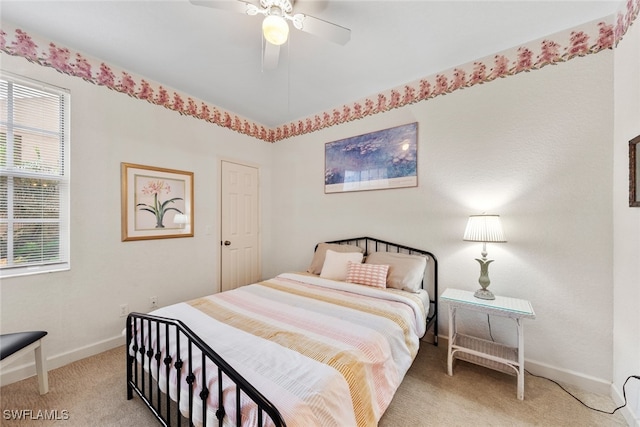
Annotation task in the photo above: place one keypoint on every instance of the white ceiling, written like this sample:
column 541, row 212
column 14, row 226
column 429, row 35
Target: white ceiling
column 215, row 55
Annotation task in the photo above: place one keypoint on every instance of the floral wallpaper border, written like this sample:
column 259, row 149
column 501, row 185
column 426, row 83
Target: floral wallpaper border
column 588, row 39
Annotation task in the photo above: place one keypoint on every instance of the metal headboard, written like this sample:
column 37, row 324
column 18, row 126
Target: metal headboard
column 370, row 244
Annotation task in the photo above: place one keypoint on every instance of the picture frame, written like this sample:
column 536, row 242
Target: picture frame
column 383, row 159
column 157, row 203
column 634, row 172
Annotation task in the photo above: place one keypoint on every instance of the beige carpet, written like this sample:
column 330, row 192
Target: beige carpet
column 92, row 392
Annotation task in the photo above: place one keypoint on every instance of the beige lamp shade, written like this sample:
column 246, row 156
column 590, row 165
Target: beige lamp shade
column 484, row 228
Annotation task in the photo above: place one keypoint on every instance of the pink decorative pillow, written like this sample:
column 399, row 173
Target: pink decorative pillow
column 367, row 274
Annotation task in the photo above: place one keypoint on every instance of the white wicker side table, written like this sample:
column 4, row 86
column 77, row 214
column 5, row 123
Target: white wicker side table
column 484, row 352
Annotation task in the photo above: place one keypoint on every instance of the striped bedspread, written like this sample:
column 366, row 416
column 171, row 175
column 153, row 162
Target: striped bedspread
column 325, row 353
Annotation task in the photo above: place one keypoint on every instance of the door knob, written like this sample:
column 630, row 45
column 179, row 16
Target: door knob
column 227, row 243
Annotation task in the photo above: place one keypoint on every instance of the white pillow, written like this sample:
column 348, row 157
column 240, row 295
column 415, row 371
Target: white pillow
column 336, row 264
column 405, row 271
column 318, row 256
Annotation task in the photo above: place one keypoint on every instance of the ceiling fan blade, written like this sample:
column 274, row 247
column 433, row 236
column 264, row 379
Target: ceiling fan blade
column 324, row 29
column 270, row 56
column 230, row 5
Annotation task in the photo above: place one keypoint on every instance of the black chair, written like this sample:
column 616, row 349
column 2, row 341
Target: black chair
column 13, row 346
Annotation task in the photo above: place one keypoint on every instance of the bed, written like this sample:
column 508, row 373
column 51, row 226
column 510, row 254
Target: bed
column 326, row 347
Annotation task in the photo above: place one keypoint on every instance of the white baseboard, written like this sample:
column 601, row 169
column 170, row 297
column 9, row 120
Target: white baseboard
column 566, row 376
column 630, row 417
column 20, row 372
column 577, row 379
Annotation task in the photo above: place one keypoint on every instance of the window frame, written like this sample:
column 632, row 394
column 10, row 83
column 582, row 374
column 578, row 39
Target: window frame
column 10, row 171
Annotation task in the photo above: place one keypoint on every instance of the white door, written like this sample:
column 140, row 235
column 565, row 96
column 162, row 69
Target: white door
column 240, row 245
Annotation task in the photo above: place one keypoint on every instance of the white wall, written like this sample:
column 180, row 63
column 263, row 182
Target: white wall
column 534, row 148
column 626, row 331
column 80, row 308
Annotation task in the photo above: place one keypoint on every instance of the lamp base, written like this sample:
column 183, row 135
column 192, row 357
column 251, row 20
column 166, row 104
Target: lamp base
column 484, row 294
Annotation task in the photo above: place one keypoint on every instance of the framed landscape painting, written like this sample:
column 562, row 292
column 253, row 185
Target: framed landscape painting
column 157, row 203
column 374, row 161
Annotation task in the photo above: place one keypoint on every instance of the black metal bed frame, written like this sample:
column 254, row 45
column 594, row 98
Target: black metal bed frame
column 370, row 244
column 145, row 360
column 140, row 328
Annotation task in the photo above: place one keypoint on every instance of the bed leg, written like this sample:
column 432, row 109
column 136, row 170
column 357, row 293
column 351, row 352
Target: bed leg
column 128, row 358
column 129, row 378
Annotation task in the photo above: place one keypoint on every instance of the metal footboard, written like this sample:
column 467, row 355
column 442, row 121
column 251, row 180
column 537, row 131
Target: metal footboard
column 149, row 370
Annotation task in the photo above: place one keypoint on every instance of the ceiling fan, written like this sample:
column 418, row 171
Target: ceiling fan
column 275, row 27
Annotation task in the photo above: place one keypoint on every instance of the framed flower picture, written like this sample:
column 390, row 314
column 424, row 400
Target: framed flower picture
column 157, row 203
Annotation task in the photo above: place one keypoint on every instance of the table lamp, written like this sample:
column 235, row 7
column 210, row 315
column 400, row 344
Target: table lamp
column 484, row 228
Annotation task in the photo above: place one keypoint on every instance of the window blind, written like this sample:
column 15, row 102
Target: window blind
column 34, row 184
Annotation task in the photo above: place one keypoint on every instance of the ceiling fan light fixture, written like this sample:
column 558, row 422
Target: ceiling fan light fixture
column 275, row 29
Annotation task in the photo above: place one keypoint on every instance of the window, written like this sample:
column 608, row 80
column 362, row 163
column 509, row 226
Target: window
column 34, row 178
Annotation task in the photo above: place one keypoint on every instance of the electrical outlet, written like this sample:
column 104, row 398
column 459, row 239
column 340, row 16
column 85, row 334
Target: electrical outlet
column 154, row 302
column 124, row 310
